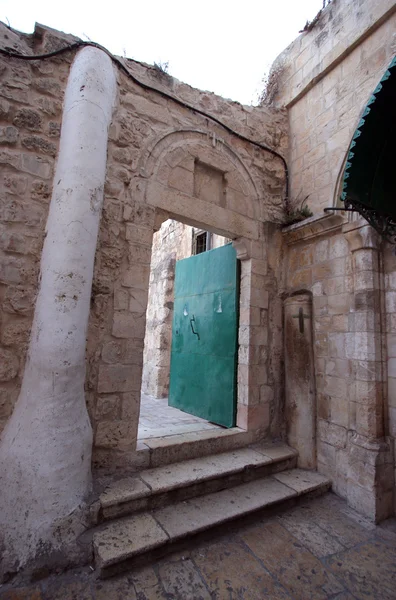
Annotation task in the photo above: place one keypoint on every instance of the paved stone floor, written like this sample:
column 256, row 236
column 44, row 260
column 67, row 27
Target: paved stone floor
column 320, row 550
column 157, row 419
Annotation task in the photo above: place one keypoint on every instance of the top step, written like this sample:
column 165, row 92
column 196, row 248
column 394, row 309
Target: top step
column 160, row 486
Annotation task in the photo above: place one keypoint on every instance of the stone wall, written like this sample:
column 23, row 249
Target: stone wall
column 30, row 118
column 325, row 78
column 164, row 161
column 172, row 242
column 160, row 156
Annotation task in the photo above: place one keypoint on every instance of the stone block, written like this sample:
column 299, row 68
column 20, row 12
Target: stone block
column 322, row 344
column 115, row 434
column 119, row 378
column 327, row 456
column 137, row 276
column 9, row 365
column 108, row 407
column 40, row 190
column 137, row 300
column 26, row 118
column 321, row 251
column 129, row 324
column 9, row 135
column 392, row 393
column 368, row 300
column 339, row 304
column 181, row 179
column 112, row 352
column 19, row 299
column 392, row 367
column 253, row 418
column 15, row 184
column 369, row 420
column 16, row 332
column 139, row 234
column 258, row 336
column 334, row 286
column 365, row 260
column 332, row 434
column 121, row 299
column 147, row 108
column 338, row 368
column 301, row 279
column 39, row 145
column 362, row 346
column 36, row 165
column 369, row 392
column 390, row 300
column 139, row 254
column 130, row 407
column 134, row 352
column 340, row 411
column 335, row 386
column 366, row 280
column 331, row 268
column 320, row 305
column 18, row 241
column 259, row 298
column 323, row 404
column 364, row 321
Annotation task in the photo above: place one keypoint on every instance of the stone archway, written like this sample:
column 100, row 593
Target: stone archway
column 199, row 180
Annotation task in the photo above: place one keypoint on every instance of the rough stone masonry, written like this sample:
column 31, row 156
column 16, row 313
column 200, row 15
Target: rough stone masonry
column 162, row 138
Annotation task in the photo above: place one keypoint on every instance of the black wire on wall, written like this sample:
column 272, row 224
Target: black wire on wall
column 120, row 65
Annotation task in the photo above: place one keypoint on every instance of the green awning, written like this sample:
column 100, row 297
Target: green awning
column 369, row 177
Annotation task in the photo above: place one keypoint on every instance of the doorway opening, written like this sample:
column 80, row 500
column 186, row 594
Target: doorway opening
column 186, row 375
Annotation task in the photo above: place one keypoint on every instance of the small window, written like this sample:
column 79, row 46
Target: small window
column 201, row 241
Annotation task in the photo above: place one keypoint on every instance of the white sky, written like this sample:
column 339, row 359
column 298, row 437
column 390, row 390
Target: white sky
column 224, row 46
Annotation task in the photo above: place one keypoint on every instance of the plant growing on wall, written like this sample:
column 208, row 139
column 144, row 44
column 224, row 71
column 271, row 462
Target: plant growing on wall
column 294, row 213
column 271, row 84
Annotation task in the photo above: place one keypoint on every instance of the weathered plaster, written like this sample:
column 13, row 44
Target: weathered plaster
column 45, row 451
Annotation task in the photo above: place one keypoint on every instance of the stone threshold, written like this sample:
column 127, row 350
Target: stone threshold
column 155, row 452
column 125, row 540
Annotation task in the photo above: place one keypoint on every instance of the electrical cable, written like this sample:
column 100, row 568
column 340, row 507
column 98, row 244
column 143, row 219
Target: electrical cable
column 117, row 61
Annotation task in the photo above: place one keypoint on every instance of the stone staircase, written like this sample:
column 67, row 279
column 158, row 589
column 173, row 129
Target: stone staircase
column 157, row 508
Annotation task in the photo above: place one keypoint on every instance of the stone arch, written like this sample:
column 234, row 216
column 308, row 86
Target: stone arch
column 196, row 176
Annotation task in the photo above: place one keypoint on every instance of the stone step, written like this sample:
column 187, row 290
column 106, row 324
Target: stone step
column 119, row 544
column 157, row 487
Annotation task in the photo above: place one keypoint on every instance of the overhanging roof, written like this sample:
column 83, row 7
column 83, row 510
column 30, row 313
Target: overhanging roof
column 369, row 182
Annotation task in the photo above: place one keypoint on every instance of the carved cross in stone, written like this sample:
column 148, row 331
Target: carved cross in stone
column 301, row 318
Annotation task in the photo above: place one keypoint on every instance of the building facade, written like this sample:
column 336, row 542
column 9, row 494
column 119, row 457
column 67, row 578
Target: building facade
column 98, row 153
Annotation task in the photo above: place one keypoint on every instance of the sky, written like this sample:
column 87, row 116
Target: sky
column 223, row 46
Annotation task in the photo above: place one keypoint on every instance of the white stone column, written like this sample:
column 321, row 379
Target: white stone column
column 45, row 451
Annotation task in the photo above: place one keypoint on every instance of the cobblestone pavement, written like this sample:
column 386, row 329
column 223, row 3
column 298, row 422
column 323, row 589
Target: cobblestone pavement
column 157, row 419
column 320, row 549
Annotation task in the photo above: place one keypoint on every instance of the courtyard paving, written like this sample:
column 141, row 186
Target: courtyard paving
column 157, row 419
column 320, row 549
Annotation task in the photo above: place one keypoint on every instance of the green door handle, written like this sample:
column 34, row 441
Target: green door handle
column 192, row 327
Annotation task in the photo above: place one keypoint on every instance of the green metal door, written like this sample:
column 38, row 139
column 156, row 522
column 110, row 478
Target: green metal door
column 204, row 336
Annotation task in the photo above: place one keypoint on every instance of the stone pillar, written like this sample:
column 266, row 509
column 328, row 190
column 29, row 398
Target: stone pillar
column 45, row 464
column 300, row 407
column 370, row 476
column 254, row 394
